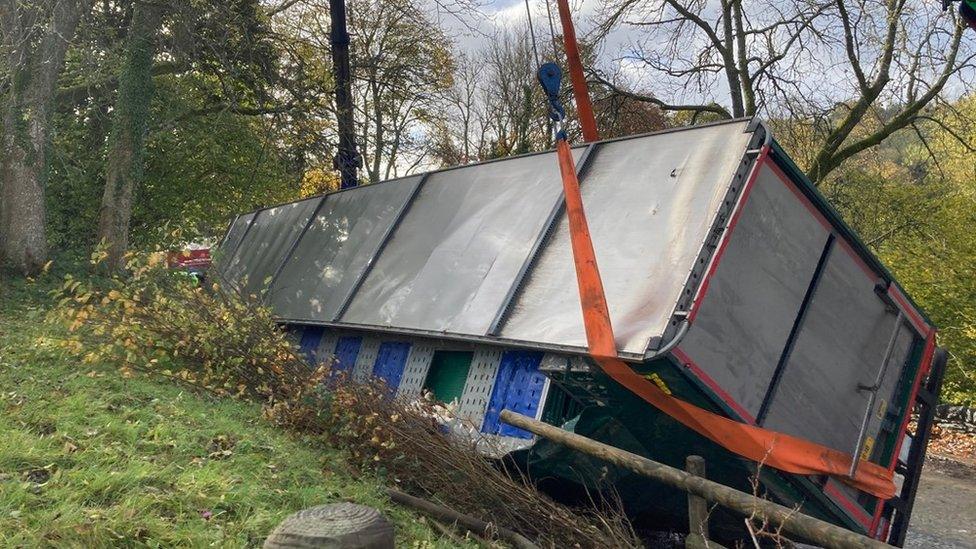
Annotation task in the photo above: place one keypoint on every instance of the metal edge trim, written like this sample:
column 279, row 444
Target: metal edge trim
column 689, row 368
column 525, row 155
column 697, row 274
column 456, row 337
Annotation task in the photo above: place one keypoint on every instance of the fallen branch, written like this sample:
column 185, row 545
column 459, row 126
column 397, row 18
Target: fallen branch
column 474, row 525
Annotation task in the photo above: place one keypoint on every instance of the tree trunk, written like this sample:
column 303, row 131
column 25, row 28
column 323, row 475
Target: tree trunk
column 34, row 68
column 24, row 241
column 126, row 154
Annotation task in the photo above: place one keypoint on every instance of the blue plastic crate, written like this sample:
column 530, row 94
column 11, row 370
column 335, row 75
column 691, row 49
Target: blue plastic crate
column 390, row 361
column 518, row 387
column 311, row 336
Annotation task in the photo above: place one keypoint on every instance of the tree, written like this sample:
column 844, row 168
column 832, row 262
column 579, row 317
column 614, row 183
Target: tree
column 402, row 65
column 620, row 115
column 35, row 37
column 222, row 40
column 514, row 101
column 125, row 160
column 910, row 202
column 459, row 136
column 827, row 66
column 496, row 106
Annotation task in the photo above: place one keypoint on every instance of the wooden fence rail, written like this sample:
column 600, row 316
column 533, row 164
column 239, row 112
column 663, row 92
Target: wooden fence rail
column 793, row 522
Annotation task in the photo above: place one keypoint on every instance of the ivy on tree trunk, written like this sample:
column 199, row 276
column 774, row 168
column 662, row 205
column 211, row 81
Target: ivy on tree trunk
column 126, row 154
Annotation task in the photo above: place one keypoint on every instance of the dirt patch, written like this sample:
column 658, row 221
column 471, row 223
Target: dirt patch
column 960, row 468
column 945, row 507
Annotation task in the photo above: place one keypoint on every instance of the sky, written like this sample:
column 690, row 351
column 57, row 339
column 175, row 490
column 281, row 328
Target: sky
column 472, row 33
column 496, row 14
column 620, row 43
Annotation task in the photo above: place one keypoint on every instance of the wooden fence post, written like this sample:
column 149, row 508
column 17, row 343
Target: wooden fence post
column 697, row 507
column 698, row 510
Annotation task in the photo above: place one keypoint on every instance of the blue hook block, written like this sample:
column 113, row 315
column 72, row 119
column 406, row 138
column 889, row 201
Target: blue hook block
column 550, row 76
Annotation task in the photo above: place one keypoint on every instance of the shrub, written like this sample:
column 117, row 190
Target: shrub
column 160, row 322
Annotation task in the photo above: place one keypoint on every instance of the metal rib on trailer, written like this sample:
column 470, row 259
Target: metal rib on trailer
column 265, row 243
column 337, row 249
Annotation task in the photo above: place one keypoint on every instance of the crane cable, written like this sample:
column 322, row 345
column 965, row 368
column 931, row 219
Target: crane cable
column 552, row 31
column 535, row 47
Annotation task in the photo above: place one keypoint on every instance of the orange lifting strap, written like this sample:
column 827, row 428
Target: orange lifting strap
column 778, row 450
column 584, row 108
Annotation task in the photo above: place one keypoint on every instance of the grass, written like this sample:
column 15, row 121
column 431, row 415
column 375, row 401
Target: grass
column 91, row 459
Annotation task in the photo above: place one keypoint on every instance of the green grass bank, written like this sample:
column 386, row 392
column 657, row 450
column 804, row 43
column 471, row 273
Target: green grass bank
column 91, row 459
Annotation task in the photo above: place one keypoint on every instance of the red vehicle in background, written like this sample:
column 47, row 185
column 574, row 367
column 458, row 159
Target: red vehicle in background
column 194, row 259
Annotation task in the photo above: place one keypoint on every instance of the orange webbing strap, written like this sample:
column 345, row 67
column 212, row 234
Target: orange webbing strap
column 584, row 107
column 777, row 450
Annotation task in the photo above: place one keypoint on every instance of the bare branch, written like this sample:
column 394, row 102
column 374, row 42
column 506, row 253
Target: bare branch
column 712, row 108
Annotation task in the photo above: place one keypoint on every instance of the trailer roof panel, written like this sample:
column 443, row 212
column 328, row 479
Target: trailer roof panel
column 451, row 263
column 231, row 240
column 650, row 203
column 336, row 250
column 265, row 244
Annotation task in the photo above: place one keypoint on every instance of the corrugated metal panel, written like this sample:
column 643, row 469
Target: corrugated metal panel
column 841, row 344
column 336, row 250
column 650, row 203
column 756, row 292
column 451, row 262
column 477, row 388
column 365, row 359
column 266, row 243
column 415, row 371
column 519, row 387
column 390, row 361
column 346, row 352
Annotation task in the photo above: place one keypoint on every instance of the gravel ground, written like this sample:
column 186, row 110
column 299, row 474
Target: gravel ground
column 945, row 507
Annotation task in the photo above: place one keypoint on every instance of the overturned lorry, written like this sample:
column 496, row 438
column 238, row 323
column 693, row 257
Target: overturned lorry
column 731, row 285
